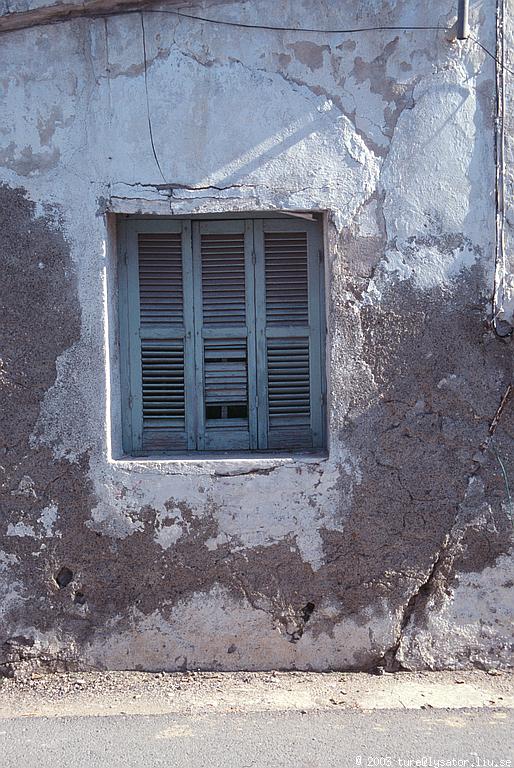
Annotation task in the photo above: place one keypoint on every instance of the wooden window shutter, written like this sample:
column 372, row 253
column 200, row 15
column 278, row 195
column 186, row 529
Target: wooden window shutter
column 159, row 324
column 224, row 334
column 221, row 328
column 289, row 317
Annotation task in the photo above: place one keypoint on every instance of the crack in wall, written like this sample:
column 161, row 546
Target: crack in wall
column 390, row 661
column 440, row 573
column 361, row 552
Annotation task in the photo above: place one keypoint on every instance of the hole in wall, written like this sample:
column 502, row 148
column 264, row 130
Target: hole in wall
column 79, row 598
column 307, row 612
column 63, row 577
column 22, row 640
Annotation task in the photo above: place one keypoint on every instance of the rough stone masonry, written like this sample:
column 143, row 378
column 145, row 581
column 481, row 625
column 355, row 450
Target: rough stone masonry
column 395, row 548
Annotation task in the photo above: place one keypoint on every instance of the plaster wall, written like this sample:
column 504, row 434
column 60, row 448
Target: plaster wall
column 394, row 549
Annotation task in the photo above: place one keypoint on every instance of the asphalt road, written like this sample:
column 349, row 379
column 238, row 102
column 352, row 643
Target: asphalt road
column 379, row 739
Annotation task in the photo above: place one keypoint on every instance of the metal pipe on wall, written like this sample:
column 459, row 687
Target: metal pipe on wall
column 463, row 20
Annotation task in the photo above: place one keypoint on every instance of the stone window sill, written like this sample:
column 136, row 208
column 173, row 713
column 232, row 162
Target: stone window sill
column 216, row 464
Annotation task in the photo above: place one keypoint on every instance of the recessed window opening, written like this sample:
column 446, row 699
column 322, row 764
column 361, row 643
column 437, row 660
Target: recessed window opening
column 222, row 327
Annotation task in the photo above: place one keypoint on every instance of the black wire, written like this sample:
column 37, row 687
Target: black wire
column 205, row 19
column 493, row 57
column 240, row 24
column 233, row 24
column 289, row 29
column 148, row 101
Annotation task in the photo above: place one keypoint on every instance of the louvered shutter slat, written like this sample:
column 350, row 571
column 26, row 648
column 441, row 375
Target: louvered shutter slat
column 160, row 272
column 223, row 279
column 287, row 304
column 221, row 253
column 289, row 298
column 289, row 393
column 225, row 373
column 286, row 269
column 160, row 278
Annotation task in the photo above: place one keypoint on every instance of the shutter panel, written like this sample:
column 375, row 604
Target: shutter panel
column 222, row 256
column 160, row 316
column 162, row 363
column 288, row 331
column 221, row 326
column 286, row 273
column 289, row 410
column 160, row 278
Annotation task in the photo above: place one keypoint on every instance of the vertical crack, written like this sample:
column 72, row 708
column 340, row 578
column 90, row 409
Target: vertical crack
column 150, row 130
column 389, row 661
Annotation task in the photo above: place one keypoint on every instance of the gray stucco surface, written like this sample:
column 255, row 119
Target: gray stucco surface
column 395, row 549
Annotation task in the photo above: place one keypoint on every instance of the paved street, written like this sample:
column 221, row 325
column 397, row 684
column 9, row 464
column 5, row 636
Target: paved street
column 328, row 739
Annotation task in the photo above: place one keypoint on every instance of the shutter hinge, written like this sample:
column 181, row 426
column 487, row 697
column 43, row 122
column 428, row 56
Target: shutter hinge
column 130, row 401
column 254, row 258
column 320, row 255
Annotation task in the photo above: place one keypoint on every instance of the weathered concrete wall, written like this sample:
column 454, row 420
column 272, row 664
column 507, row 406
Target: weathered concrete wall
column 396, row 548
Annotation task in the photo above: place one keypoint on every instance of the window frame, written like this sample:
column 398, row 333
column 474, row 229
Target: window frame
column 130, row 329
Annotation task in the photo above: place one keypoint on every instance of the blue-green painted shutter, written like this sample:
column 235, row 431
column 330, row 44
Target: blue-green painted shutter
column 224, row 334
column 221, row 328
column 160, row 322
column 289, row 317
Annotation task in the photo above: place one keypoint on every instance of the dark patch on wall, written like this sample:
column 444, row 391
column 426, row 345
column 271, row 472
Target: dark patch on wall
column 40, row 319
column 309, row 53
column 26, row 162
column 427, row 479
column 387, row 87
column 412, row 525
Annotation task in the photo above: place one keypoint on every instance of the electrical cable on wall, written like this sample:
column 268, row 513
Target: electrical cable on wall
column 83, row 13
column 317, row 30
column 462, row 33
column 493, row 57
column 314, row 30
column 143, row 35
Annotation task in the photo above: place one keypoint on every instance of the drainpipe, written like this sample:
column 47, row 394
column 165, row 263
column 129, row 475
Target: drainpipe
column 502, row 326
column 463, row 20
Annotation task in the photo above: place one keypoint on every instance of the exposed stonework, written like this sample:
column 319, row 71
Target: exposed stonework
column 395, row 549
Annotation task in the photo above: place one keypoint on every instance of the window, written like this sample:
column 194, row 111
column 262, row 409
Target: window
column 221, row 330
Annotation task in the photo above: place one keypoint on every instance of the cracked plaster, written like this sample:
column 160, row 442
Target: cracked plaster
column 213, row 563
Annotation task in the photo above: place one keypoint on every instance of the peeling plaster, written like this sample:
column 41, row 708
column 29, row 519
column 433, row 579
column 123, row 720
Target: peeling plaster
column 395, row 548
column 167, row 535
column 48, row 519
column 463, row 626
column 20, row 529
column 274, row 508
